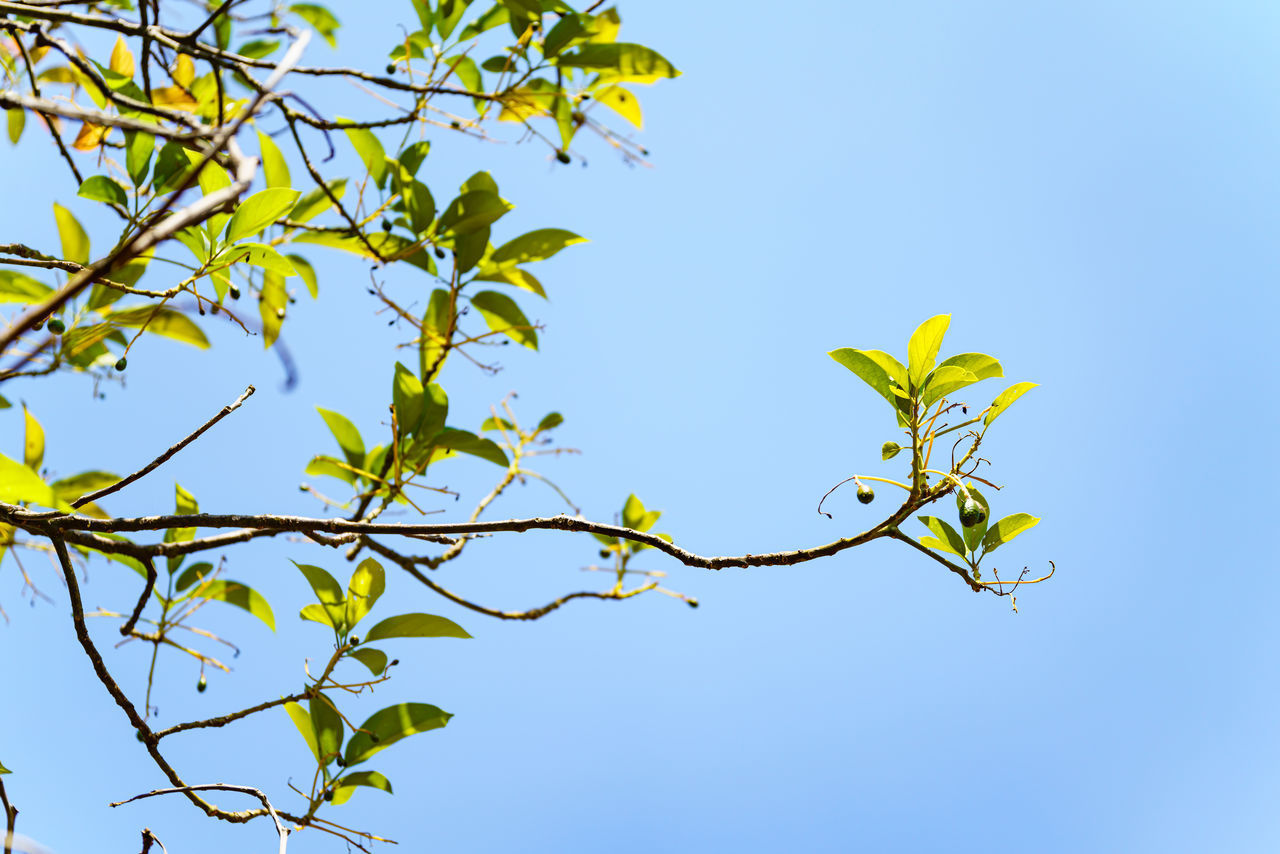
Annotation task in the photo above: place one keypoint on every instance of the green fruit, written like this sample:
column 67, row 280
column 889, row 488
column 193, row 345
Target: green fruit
column 386, row 225
column 355, row 640
column 37, row 326
column 866, row 494
column 391, row 68
column 202, row 684
column 57, row 327
column 439, row 253
column 122, row 363
column 972, row 513
column 604, row 553
column 563, row 157
column 328, row 794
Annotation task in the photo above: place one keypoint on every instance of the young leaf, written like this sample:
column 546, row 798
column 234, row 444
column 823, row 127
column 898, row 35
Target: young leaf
column 18, row 483
column 260, row 210
column 302, row 721
column 329, row 592
column 75, row 243
column 534, row 246
column 100, row 188
column 390, row 725
column 347, row 435
column 619, row 60
column 922, row 349
column 374, row 659
column 502, row 314
column 370, row 150
column 317, row 201
column 345, row 786
column 328, row 726
column 274, row 167
column 408, row 396
column 33, row 442
column 242, row 596
column 138, row 148
column 164, row 322
column 1006, row 529
column 473, row 210
column 550, row 421
column 366, row 585
column 416, row 626
column 193, row 574
column 943, row 380
column 948, row 538
column 320, row 18
column 437, row 326
column 257, row 254
column 1006, row 398
column 464, row 442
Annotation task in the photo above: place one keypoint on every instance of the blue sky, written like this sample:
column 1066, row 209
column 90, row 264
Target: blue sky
column 1088, row 189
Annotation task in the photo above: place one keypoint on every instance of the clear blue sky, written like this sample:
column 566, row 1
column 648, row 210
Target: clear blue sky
column 1090, row 189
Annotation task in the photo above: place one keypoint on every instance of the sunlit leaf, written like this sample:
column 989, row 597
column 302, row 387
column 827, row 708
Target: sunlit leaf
column 320, row 18
column 346, row 785
column 922, row 349
column 502, row 314
column 1006, row 399
column 416, row 626
column 75, row 242
column 1006, row 529
column 390, row 725
column 100, row 188
column 619, row 60
column 374, row 659
column 33, row 441
column 242, row 596
column 164, row 322
column 18, row 483
column 347, row 435
column 302, row 721
column 366, row 585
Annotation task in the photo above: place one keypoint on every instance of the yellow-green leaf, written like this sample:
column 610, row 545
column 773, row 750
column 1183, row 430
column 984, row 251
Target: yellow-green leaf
column 75, row 243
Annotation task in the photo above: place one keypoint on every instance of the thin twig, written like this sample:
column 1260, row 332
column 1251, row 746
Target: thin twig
column 281, row 830
column 160, row 460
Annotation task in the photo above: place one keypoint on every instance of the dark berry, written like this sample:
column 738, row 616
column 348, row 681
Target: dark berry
column 122, row 363
column 57, row 327
column 866, row 494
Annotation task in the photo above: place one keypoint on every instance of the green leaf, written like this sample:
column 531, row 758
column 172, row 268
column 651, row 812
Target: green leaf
column 315, row 202
column 33, row 441
column 550, row 421
column 260, row 210
column 473, row 210
column 633, row 512
column 1006, row 398
column 411, row 158
column 302, row 721
column 408, row 396
column 416, row 626
column 420, row 205
column 75, row 243
column 258, row 48
column 18, row 483
column 437, row 323
column 979, row 364
column 17, row 287
column 374, row 659
column 868, row 370
column 164, row 322
column 257, row 254
column 138, row 148
column 513, row 276
column 345, row 786
column 619, row 60
column 1006, row 529
column 347, row 435
column 328, row 726
column 922, row 349
column 272, row 303
column 943, row 380
column 889, row 450
column 470, row 248
column 242, row 596
column 502, row 314
column 392, row 724
column 370, row 150
column 948, row 538
column 566, row 30
column 317, row 614
column 623, row 102
column 4, row 770
column 307, row 272
column 195, row 573
column 521, row 14
column 366, row 585
column 100, row 188
column 535, row 246
column 184, row 504
column 468, row 443
column 328, row 591
column 320, row 18
column 70, row 488
column 274, row 167
column 17, row 121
